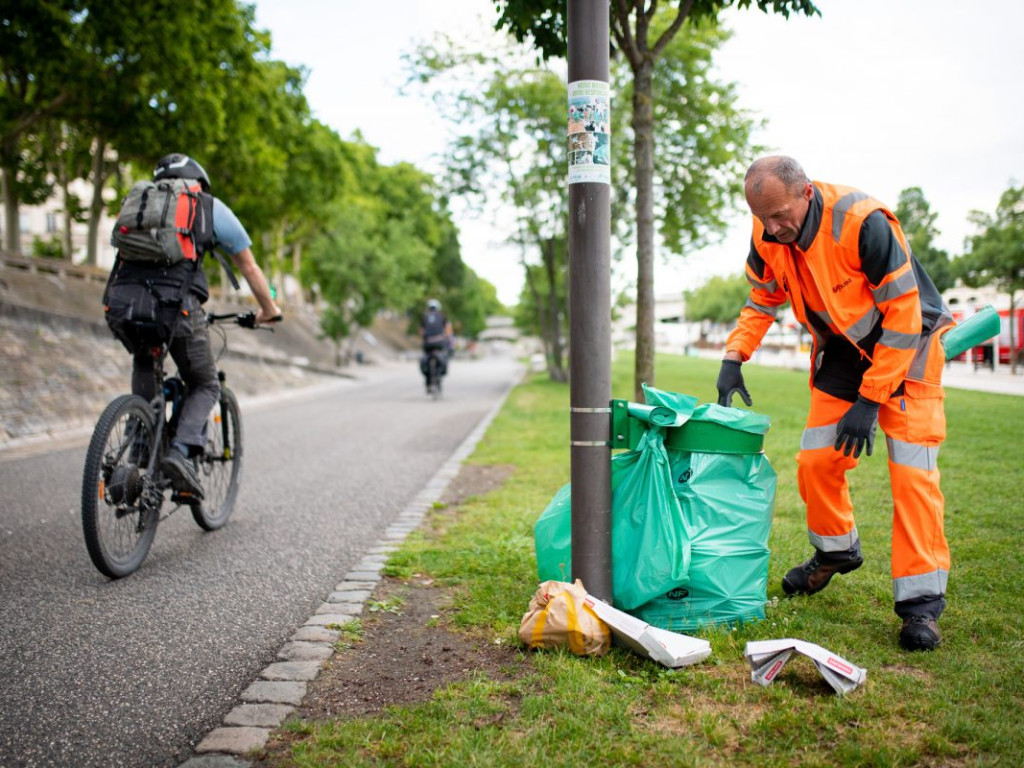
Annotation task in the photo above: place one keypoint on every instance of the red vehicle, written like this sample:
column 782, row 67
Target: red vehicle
column 998, row 348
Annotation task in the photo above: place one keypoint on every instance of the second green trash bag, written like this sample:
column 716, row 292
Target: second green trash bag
column 690, row 539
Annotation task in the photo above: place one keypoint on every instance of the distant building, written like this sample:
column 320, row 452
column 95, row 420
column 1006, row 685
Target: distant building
column 46, row 223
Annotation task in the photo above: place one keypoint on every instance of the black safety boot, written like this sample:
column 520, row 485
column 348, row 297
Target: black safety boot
column 182, row 473
column 920, row 633
column 814, row 575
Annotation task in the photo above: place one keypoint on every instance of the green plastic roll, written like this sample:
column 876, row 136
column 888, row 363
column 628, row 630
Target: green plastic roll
column 971, row 332
column 658, row 415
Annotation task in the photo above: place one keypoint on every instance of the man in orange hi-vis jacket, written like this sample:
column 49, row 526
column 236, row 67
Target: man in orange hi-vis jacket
column 875, row 320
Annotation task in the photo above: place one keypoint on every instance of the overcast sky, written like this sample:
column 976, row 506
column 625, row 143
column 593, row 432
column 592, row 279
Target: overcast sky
column 877, row 94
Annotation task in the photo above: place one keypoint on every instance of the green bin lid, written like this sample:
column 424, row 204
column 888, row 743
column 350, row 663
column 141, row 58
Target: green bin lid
column 707, row 428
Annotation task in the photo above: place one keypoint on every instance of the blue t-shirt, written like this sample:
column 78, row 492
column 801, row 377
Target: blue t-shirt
column 228, row 233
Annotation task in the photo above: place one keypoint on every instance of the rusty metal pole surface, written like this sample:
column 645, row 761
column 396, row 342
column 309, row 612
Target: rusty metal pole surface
column 590, row 296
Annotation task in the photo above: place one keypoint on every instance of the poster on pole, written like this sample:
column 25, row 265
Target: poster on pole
column 589, row 132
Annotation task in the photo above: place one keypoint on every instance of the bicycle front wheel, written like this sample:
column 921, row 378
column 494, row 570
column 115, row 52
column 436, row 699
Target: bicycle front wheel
column 220, row 466
column 119, row 516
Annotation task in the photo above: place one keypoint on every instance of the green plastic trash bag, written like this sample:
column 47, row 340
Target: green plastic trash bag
column 727, row 503
column 706, row 541
column 552, row 537
column 650, row 545
column 727, row 500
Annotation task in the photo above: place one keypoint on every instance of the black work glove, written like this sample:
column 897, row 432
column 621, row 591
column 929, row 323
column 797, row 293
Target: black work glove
column 730, row 381
column 856, row 430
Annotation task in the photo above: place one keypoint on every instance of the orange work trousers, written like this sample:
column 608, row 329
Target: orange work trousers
column 914, row 424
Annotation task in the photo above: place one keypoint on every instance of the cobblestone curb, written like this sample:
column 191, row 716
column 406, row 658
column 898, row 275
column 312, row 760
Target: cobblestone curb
column 281, row 686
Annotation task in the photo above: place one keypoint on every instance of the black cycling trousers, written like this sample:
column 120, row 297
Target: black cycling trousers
column 192, row 353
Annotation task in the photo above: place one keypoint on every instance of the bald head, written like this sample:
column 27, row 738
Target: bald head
column 779, row 194
column 785, row 169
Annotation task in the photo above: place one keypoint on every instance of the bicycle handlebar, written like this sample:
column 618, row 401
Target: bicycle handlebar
column 244, row 319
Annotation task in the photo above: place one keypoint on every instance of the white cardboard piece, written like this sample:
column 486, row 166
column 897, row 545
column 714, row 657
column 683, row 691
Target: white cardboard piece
column 670, row 649
column 767, row 657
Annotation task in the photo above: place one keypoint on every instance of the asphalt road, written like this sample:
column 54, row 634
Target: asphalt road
column 135, row 672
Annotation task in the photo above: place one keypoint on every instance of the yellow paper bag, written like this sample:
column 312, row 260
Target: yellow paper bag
column 559, row 617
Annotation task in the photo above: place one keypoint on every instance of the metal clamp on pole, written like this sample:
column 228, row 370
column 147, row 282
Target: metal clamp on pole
column 590, row 443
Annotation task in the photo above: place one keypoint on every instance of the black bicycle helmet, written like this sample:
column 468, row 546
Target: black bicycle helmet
column 179, row 166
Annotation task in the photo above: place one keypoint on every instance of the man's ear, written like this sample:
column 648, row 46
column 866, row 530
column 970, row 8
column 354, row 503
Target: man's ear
column 808, row 193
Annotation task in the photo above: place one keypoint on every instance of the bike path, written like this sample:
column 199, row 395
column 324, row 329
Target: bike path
column 142, row 670
column 281, row 686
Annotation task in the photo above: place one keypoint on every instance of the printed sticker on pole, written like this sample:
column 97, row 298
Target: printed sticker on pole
column 589, row 132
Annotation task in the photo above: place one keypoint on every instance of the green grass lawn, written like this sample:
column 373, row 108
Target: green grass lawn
column 962, row 705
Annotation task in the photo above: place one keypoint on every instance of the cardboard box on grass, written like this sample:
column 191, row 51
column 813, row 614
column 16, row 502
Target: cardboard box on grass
column 670, row 649
column 768, row 657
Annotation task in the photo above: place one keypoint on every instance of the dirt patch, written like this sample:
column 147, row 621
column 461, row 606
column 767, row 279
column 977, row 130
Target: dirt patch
column 403, row 658
column 407, row 650
column 475, row 480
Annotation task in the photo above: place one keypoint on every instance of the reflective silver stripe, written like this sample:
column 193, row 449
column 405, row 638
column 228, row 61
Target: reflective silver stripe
column 589, row 443
column 923, row 585
column 913, row 455
column 920, row 362
column 771, row 286
column 863, row 326
column 770, row 311
column 589, row 410
column 825, row 317
column 814, row 438
column 924, row 348
column 897, row 340
column 834, row 543
column 903, row 284
column 839, row 211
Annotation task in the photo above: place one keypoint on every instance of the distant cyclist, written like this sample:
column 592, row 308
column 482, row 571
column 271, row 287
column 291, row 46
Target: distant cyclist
column 438, row 338
column 190, row 340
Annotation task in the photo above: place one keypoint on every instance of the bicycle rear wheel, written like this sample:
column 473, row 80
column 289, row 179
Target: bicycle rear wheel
column 434, row 366
column 220, row 466
column 119, row 517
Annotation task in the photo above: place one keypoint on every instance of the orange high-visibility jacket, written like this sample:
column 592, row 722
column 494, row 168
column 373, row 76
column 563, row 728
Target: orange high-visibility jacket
column 852, row 306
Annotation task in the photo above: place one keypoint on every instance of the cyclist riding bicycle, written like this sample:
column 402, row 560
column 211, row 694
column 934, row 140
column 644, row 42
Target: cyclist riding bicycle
column 438, row 338
column 182, row 287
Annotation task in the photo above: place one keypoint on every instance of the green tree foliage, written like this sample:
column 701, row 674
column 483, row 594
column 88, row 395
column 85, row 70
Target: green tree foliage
column 467, row 298
column 718, row 300
column 703, row 141
column 471, row 305
column 918, row 222
column 540, row 310
column 995, row 255
column 509, row 153
column 38, row 56
column 100, row 90
column 642, row 36
column 147, row 83
column 379, row 244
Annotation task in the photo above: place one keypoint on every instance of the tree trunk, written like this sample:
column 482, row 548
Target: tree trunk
column 276, row 270
column 12, row 228
column 68, row 243
column 643, row 156
column 297, row 269
column 541, row 319
column 99, row 180
column 557, row 368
